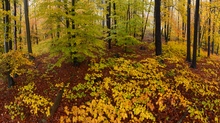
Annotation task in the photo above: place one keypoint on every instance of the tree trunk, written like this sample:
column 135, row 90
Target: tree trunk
column 213, row 36
column 67, row 19
column 157, row 17
column 28, row 35
column 145, row 24
column 15, row 26
column 6, row 43
column 196, row 23
column 108, row 19
column 209, row 34
column 35, row 24
column 58, row 25
column 20, row 38
column 188, row 55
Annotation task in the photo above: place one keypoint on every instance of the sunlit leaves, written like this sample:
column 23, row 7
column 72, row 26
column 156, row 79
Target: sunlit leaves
column 28, row 99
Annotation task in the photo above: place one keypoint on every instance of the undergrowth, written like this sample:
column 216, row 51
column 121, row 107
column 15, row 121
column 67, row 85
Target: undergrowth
column 137, row 91
column 156, row 89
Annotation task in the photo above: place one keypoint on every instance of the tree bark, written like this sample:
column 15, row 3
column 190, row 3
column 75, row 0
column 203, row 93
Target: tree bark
column 28, row 35
column 188, row 55
column 20, row 38
column 209, row 34
column 157, row 17
column 108, row 19
column 6, row 41
column 15, row 26
column 145, row 24
column 196, row 23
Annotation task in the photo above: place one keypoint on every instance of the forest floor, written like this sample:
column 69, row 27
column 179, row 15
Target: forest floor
column 47, row 83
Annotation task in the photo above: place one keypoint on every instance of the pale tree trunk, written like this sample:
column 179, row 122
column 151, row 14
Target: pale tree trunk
column 145, row 24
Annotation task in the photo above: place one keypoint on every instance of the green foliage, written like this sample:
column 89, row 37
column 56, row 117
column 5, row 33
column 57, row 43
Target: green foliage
column 27, row 99
column 83, row 41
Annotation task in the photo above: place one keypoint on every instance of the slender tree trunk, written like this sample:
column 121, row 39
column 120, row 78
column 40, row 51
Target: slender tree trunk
column 58, row 25
column 200, row 37
column 209, row 38
column 128, row 18
column 145, row 24
column 108, row 19
column 213, row 36
column 6, row 39
column 115, row 22
column 28, row 35
column 73, row 14
column 157, row 17
column 178, row 27
column 209, row 34
column 183, row 31
column 15, row 26
column 20, row 38
column 67, row 19
column 196, row 23
column 35, row 23
column 188, row 55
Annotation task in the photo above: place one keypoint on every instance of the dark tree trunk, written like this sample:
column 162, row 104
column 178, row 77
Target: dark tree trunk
column 58, row 25
column 213, row 36
column 15, row 26
column 67, row 19
column 157, row 17
column 73, row 14
column 28, row 35
column 20, row 38
column 209, row 34
column 115, row 21
column 6, row 39
column 108, row 19
column 209, row 38
column 188, row 55
column 196, row 24
column 75, row 59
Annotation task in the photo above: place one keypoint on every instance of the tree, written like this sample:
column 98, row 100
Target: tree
column 196, row 24
column 108, row 21
column 6, row 40
column 188, row 55
column 145, row 23
column 158, row 44
column 209, row 34
column 28, row 35
column 15, row 26
column 20, row 18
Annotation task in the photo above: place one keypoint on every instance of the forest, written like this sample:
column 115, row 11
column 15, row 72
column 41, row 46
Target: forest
column 109, row 61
